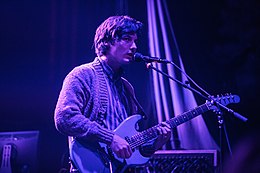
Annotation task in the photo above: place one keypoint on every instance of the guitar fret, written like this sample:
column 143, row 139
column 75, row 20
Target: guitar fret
column 171, row 123
column 199, row 110
column 194, row 113
column 176, row 121
column 189, row 115
column 180, row 119
column 185, row 117
column 204, row 108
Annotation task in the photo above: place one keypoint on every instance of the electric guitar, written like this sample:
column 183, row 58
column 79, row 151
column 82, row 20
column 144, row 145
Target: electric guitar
column 97, row 157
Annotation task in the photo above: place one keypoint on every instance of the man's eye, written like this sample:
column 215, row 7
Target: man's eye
column 127, row 39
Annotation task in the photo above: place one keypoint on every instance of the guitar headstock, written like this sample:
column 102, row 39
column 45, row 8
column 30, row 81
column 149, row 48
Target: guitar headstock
column 223, row 99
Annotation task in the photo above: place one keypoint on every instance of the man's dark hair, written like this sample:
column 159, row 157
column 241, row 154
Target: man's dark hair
column 113, row 29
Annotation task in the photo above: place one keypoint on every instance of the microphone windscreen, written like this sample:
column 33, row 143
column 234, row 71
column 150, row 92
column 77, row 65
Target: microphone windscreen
column 138, row 57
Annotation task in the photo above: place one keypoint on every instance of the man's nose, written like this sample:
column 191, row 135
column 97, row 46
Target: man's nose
column 133, row 46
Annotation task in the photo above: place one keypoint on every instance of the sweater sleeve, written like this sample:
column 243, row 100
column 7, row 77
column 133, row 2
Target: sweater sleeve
column 69, row 112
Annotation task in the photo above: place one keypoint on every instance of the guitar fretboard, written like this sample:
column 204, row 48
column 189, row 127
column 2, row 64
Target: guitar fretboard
column 180, row 119
column 151, row 133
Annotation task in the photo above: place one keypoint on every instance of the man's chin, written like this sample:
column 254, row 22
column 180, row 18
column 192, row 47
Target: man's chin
column 127, row 60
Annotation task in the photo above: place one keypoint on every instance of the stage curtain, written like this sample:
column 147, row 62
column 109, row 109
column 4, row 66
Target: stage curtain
column 172, row 99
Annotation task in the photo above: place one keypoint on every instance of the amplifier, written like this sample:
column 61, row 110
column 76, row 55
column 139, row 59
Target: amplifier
column 184, row 161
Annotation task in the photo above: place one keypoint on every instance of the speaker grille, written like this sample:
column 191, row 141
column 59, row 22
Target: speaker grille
column 183, row 161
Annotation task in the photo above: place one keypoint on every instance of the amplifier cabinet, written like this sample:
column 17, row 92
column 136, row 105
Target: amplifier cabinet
column 183, row 161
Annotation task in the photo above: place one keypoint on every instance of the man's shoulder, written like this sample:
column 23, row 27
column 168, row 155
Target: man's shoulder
column 83, row 72
column 83, row 68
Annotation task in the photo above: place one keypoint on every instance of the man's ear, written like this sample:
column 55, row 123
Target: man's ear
column 112, row 42
column 108, row 44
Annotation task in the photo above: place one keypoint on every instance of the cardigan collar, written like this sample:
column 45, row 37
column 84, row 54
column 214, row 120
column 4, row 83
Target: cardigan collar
column 114, row 76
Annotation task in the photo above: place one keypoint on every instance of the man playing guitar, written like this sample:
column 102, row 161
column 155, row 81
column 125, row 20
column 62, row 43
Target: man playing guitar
column 96, row 104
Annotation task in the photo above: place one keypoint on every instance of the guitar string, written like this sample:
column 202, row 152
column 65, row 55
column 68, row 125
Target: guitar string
column 140, row 138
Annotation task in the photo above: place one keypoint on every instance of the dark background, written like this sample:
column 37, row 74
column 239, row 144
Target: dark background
column 41, row 41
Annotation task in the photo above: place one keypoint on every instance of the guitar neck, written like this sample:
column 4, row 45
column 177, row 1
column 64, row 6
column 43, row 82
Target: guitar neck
column 186, row 116
column 151, row 133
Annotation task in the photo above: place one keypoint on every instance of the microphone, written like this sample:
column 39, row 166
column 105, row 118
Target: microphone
column 138, row 57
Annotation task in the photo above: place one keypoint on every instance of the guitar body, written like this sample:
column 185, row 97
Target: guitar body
column 88, row 157
column 94, row 157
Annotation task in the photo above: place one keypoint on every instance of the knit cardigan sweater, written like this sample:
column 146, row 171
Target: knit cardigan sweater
column 82, row 104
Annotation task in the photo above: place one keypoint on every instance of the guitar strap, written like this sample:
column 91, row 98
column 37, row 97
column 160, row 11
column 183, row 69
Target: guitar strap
column 139, row 107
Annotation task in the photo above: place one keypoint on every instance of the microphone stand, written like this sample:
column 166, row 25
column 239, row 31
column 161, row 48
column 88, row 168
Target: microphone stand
column 219, row 105
column 237, row 115
column 150, row 66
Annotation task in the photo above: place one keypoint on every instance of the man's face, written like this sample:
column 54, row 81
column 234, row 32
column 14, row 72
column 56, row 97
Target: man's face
column 121, row 51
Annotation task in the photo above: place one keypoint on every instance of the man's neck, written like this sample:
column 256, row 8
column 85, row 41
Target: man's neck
column 112, row 64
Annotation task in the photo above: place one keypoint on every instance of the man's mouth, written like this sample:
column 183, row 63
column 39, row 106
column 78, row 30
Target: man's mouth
column 131, row 55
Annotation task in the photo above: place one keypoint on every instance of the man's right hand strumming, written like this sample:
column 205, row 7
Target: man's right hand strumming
column 120, row 147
